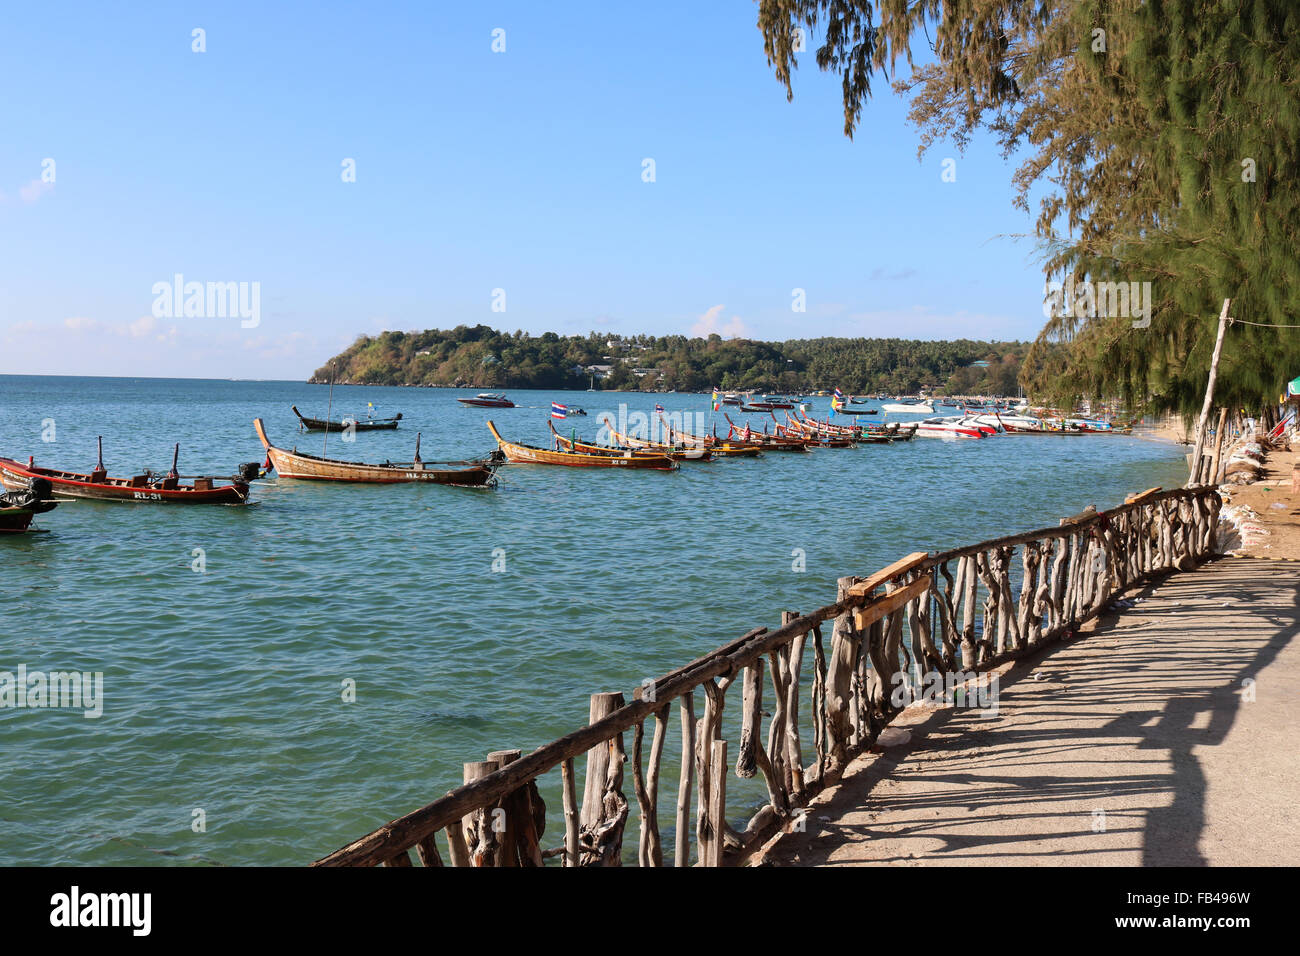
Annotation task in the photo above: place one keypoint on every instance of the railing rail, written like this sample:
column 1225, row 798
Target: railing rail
column 961, row 623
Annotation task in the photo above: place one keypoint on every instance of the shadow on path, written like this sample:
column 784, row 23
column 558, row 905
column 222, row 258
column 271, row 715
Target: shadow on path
column 1143, row 741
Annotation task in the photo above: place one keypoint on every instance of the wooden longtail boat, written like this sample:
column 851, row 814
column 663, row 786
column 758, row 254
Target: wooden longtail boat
column 749, row 436
column 817, row 439
column 358, row 424
column 718, row 447
column 295, row 464
column 721, row 448
column 18, row 508
column 591, row 448
column 879, row 434
column 149, row 487
column 694, row 451
column 532, row 455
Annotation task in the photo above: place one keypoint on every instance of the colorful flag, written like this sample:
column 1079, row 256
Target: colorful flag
column 658, row 407
column 717, row 401
column 558, row 410
column 839, row 395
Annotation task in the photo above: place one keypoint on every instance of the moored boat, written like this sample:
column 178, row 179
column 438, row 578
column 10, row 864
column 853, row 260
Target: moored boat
column 749, row 436
column 149, row 487
column 585, row 447
column 296, row 464
column 518, row 453
column 488, row 400
column 688, row 452
column 949, row 428
column 18, row 508
column 908, row 408
column 719, row 447
column 356, row 424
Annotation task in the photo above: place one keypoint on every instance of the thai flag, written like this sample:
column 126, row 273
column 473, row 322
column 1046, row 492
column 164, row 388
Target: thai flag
column 558, row 410
column 839, row 395
column 658, row 407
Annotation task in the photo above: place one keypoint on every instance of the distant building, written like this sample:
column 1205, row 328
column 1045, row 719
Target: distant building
column 600, row 371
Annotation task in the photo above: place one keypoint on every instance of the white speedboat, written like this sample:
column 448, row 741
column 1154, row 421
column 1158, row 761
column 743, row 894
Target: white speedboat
column 907, row 408
column 949, row 428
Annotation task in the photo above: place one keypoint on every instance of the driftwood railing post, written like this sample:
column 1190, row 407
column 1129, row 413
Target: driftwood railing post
column 839, row 683
column 650, row 847
column 604, row 808
column 682, row 842
column 717, row 815
column 480, row 837
column 572, row 835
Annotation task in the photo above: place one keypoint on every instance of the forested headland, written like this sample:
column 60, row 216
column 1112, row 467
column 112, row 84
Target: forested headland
column 480, row 357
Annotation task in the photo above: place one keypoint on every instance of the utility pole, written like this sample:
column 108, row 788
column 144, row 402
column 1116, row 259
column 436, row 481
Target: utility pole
column 1209, row 396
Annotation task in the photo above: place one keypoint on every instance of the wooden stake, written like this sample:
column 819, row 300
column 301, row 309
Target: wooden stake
column 1209, row 395
column 717, row 816
column 1214, row 477
column 572, row 843
column 682, row 844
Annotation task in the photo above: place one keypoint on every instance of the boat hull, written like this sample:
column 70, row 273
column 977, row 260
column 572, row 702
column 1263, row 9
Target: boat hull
column 15, row 520
column 360, row 425
column 67, row 484
column 529, row 455
column 676, row 454
column 293, row 464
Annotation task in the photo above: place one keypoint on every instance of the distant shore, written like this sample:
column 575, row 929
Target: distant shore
column 1169, row 428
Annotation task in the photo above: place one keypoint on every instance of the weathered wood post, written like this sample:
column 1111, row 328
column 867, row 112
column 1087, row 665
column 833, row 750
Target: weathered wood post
column 1216, row 467
column 525, row 818
column 682, row 842
column 1209, row 393
column 506, row 824
column 839, row 683
column 572, row 836
column 751, row 717
column 480, row 838
column 717, row 815
column 604, row 808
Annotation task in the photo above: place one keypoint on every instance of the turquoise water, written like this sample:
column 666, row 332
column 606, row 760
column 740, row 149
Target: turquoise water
column 223, row 689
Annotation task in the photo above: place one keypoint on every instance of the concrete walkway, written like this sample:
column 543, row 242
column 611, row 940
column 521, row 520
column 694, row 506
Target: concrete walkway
column 1134, row 744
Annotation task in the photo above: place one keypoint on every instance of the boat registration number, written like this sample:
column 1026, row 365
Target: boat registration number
column 147, row 496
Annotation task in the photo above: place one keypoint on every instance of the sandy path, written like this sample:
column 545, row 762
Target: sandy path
column 1136, row 744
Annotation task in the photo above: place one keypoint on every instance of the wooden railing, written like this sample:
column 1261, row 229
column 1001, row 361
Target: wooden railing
column 965, row 610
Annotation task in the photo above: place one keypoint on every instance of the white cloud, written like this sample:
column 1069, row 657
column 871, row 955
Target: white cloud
column 707, row 324
column 142, row 327
column 34, row 190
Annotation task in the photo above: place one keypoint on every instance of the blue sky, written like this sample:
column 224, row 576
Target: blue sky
column 475, row 171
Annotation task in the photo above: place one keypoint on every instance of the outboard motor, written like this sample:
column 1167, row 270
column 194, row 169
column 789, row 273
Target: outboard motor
column 248, row 472
column 35, row 496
